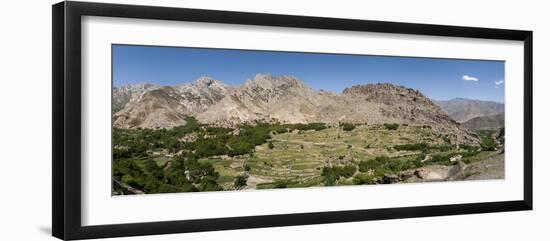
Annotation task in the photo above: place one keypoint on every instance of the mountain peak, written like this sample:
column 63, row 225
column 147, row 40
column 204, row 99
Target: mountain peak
column 206, row 81
column 268, row 81
column 381, row 90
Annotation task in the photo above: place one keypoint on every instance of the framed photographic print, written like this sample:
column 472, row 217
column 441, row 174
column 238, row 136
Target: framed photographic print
column 170, row 120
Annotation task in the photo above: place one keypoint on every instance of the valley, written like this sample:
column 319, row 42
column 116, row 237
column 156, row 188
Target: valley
column 276, row 132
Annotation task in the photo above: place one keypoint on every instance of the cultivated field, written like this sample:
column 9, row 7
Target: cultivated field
column 297, row 158
column 197, row 157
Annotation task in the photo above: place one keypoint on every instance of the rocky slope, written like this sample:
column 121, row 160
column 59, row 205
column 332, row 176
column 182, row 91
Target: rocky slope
column 284, row 99
column 166, row 106
column 386, row 103
column 123, row 95
column 462, row 109
column 485, row 122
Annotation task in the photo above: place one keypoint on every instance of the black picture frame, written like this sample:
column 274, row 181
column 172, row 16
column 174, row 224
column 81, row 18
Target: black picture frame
column 66, row 127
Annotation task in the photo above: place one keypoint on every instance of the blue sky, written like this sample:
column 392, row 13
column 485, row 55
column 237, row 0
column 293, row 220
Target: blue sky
column 439, row 79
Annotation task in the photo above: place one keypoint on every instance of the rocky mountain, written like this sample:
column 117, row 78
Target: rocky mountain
column 165, row 106
column 266, row 97
column 284, row 99
column 462, row 109
column 123, row 95
column 485, row 122
column 387, row 103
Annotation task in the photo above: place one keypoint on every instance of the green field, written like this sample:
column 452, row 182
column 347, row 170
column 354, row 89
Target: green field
column 198, row 157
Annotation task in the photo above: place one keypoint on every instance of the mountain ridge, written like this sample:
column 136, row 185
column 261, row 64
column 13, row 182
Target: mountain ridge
column 464, row 109
column 283, row 99
column 489, row 122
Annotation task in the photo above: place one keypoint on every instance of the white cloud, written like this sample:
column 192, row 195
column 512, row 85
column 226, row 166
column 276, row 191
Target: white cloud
column 469, row 78
column 499, row 82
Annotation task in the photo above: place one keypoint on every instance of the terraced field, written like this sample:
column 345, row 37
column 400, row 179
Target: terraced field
column 297, row 158
column 274, row 155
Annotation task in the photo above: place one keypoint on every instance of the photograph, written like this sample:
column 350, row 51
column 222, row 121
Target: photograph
column 190, row 119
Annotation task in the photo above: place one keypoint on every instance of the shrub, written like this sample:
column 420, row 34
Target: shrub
column 361, row 179
column 347, row 126
column 442, row 159
column 446, row 147
column 270, row 145
column 382, row 165
column 280, row 184
column 488, row 143
column 411, row 147
column 391, row 126
column 468, row 147
column 197, row 171
column 331, row 174
column 209, row 184
column 240, row 181
column 378, row 162
column 310, row 126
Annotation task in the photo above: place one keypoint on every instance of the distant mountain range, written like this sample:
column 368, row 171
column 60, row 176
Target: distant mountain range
column 462, row 109
column 485, row 122
column 278, row 99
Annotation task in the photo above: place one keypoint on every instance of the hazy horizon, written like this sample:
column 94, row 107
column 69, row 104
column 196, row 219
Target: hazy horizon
column 436, row 78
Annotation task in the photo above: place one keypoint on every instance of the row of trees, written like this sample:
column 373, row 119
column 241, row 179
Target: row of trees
column 135, row 143
column 425, row 148
column 224, row 142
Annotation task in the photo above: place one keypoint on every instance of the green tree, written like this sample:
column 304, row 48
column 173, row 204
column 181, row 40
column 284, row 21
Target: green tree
column 347, row 126
column 209, row 184
column 240, row 181
column 152, row 168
